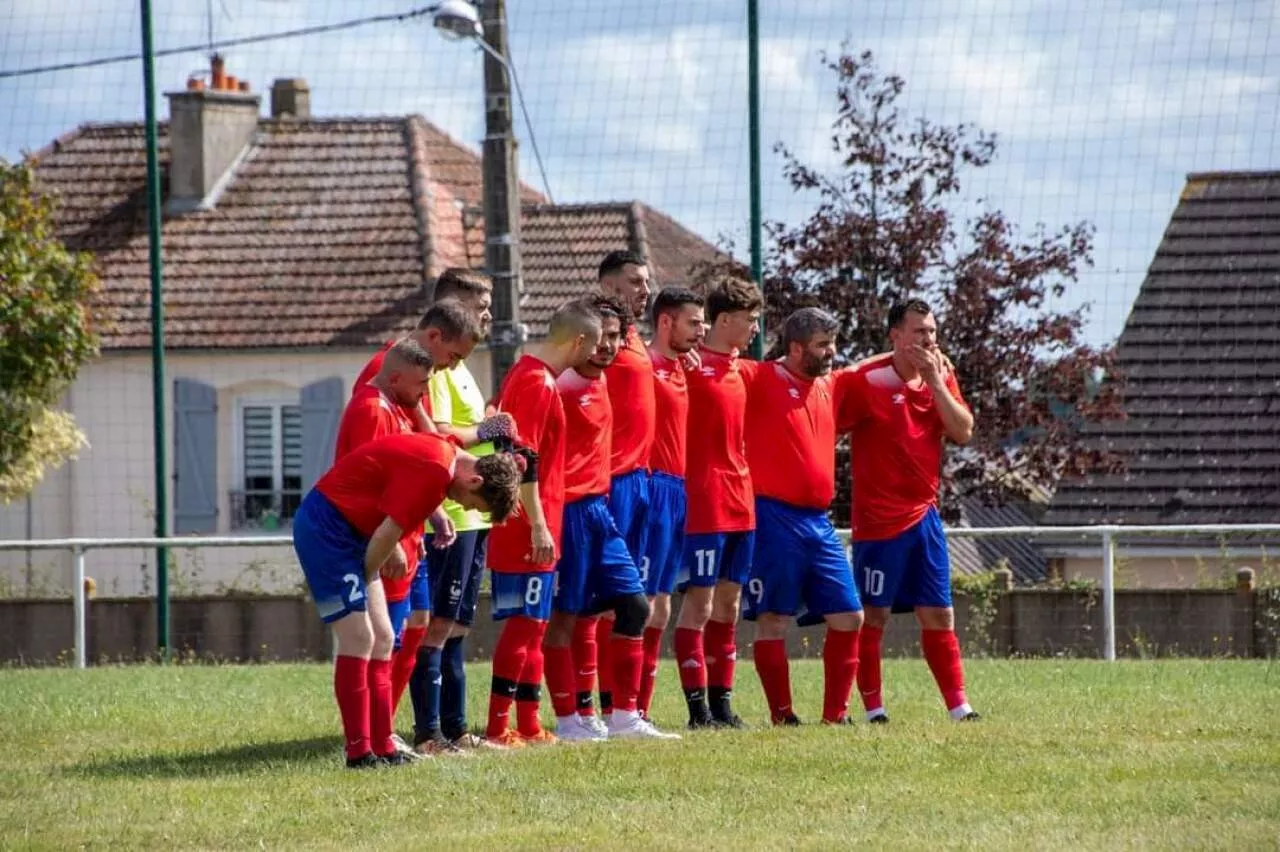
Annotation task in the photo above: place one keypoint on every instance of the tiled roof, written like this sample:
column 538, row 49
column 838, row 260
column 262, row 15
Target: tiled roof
column 1200, row 354
column 328, row 233
column 563, row 245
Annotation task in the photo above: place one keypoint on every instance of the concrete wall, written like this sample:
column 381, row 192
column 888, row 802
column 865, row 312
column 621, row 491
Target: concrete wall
column 108, row 492
column 1018, row 623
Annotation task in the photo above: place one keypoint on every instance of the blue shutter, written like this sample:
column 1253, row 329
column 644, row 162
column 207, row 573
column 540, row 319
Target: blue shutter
column 195, row 457
column 322, row 404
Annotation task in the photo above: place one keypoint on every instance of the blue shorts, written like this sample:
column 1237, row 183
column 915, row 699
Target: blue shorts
column 799, row 560
column 594, row 567
column 331, row 554
column 527, row 594
column 712, row 557
column 629, row 505
column 399, row 613
column 450, row 585
column 664, row 545
column 909, row 570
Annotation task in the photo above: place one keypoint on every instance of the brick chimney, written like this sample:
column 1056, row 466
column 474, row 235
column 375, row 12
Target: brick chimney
column 210, row 128
column 290, row 98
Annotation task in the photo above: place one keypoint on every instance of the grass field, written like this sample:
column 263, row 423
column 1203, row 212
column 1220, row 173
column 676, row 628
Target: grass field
column 1081, row 754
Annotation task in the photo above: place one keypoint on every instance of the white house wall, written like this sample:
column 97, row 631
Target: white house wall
column 108, row 491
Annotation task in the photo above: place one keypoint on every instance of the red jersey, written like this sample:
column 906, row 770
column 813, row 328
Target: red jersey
column 718, row 482
column 791, row 435
column 897, row 441
column 588, row 419
column 671, row 410
column 368, row 416
column 631, row 392
column 402, row 477
column 375, row 364
column 529, row 395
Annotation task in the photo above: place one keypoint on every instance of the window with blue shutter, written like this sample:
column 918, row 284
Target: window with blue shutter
column 195, row 457
column 270, row 487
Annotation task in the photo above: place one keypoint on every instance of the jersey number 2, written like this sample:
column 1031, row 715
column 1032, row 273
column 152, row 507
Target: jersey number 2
column 355, row 595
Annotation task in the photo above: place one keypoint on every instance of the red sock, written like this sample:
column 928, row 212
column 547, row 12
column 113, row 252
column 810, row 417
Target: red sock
column 649, row 669
column 604, row 663
column 351, row 688
column 775, row 676
column 840, row 667
column 380, row 722
column 942, row 652
column 403, row 661
column 722, row 653
column 529, row 689
column 869, row 684
column 560, row 679
column 585, row 652
column 508, row 663
column 626, row 653
column 691, row 659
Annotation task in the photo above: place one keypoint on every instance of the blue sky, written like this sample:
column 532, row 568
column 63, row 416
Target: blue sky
column 1101, row 107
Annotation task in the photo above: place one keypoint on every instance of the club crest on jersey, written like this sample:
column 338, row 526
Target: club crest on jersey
column 662, row 375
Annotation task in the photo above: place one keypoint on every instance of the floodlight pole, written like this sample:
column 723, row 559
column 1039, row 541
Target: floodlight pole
column 753, row 113
column 501, row 194
column 157, row 333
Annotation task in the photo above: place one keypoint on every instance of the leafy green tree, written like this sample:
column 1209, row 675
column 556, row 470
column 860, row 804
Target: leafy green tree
column 48, row 333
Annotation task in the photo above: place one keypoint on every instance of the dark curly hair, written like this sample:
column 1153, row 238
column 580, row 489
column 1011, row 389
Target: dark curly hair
column 500, row 487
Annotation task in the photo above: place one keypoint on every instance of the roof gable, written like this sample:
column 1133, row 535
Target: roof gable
column 1200, row 354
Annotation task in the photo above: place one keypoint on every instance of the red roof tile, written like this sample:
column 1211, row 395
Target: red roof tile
column 327, row 234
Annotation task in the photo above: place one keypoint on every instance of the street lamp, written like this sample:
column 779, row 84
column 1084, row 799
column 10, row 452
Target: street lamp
column 487, row 26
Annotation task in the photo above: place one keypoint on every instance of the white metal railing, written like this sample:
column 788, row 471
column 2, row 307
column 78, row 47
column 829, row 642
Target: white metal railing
column 1106, row 534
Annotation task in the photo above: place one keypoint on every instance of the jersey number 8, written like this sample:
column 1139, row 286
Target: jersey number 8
column 533, row 591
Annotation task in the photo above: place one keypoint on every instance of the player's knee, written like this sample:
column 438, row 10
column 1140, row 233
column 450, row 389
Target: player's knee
column 438, row 631
column 845, row 621
column 353, row 635
column 726, row 602
column 936, row 617
column 631, row 613
column 696, row 608
column 876, row 616
column 660, row 611
column 770, row 626
column 559, row 630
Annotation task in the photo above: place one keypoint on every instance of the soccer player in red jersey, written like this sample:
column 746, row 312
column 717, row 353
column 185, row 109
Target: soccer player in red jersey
column 625, row 276
column 595, row 571
column 900, row 407
column 347, row 528
column 522, row 553
column 678, row 329
column 449, row 331
column 720, row 530
column 799, row 567
column 377, row 409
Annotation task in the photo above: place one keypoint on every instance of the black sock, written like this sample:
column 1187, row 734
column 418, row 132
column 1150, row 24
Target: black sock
column 606, row 702
column 585, row 702
column 697, row 701
column 720, row 697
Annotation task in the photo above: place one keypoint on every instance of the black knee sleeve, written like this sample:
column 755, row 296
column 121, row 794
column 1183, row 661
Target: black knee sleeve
column 630, row 614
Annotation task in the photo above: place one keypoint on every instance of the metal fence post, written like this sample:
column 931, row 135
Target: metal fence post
column 1109, row 594
column 81, row 610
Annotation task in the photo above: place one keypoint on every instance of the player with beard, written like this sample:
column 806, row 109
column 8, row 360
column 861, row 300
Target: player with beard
column 799, row 569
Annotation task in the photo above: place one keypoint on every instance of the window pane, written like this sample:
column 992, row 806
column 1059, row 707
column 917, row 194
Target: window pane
column 258, row 450
column 291, row 429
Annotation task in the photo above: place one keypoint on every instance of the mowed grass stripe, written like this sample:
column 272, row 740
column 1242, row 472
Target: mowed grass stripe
column 1153, row 754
